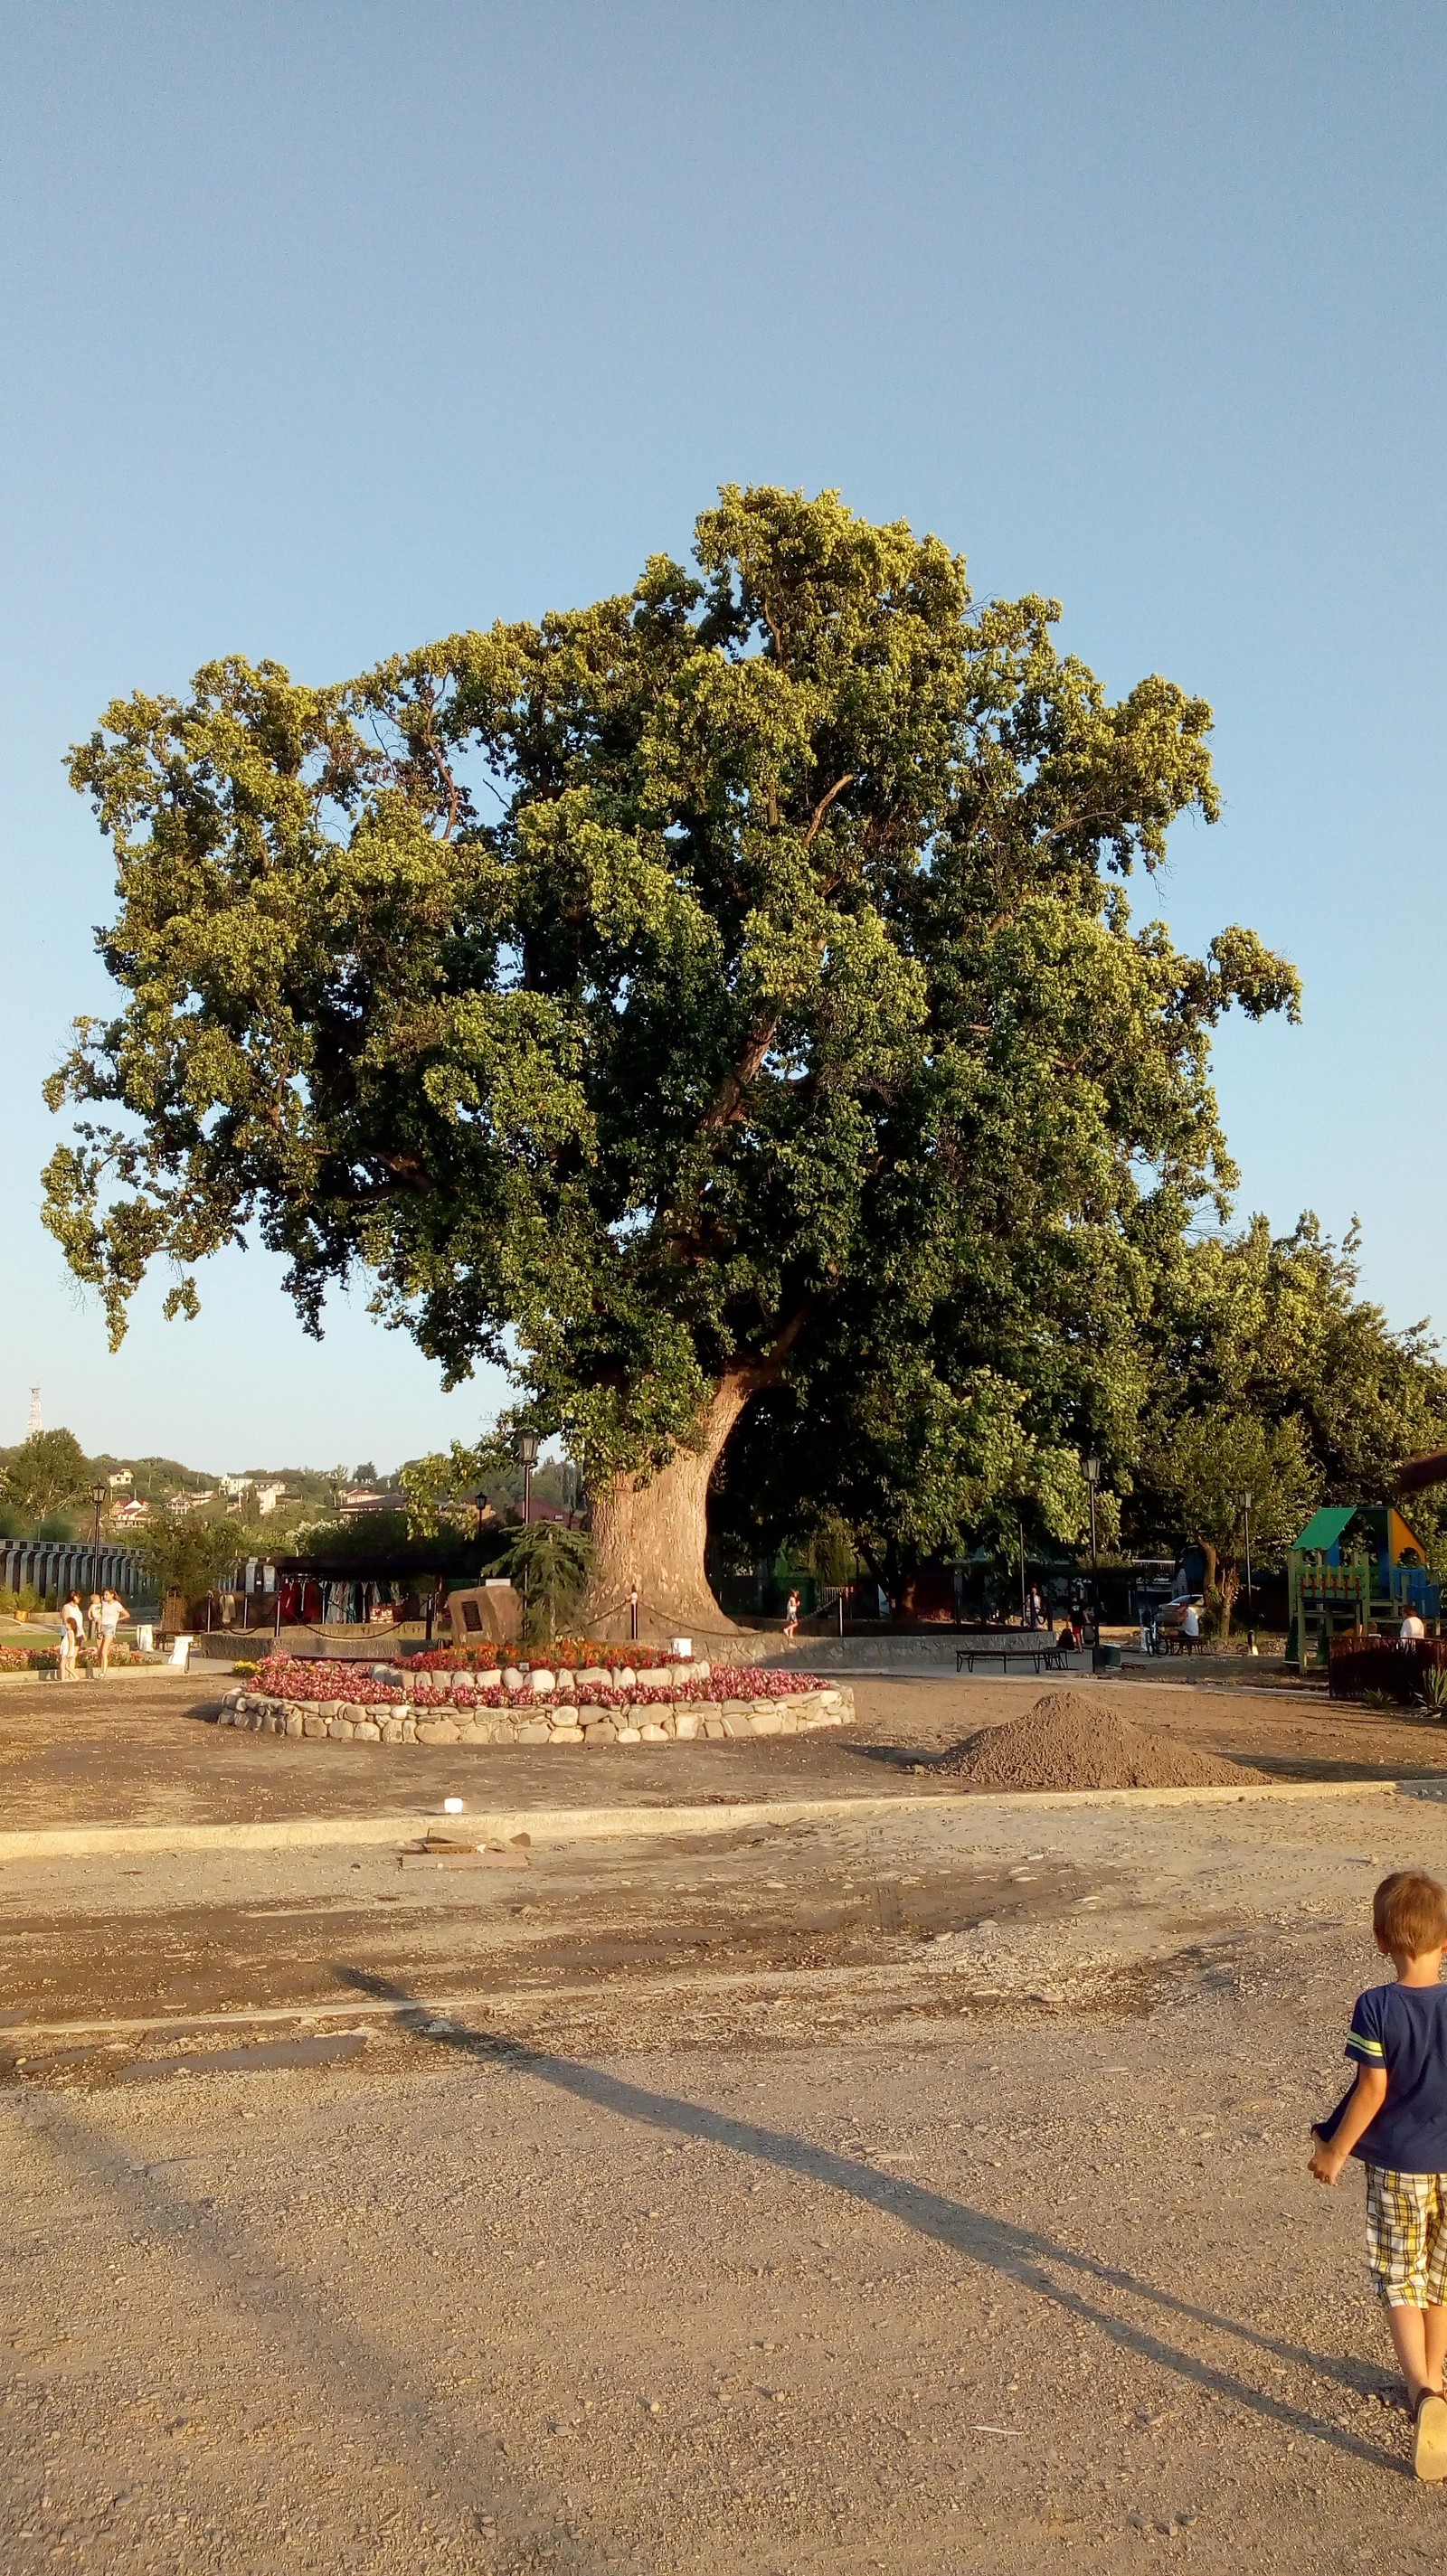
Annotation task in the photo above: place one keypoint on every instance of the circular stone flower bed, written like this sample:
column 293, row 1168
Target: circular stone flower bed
column 601, row 1704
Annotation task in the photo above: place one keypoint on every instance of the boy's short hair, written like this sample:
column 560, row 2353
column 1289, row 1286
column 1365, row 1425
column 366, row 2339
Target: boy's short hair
column 1409, row 1912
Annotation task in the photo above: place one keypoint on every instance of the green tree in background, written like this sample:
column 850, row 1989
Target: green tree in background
column 46, row 1474
column 1273, row 1331
column 548, row 1565
column 1221, row 1464
column 783, row 1030
column 191, row 1556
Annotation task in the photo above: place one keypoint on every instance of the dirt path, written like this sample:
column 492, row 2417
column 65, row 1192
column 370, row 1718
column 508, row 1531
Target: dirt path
column 145, row 1753
column 919, row 2191
column 980, row 2294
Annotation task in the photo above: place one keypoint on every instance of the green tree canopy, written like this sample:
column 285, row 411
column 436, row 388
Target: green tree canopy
column 1273, row 1330
column 724, row 986
column 191, row 1555
column 1226, row 1473
column 45, row 1474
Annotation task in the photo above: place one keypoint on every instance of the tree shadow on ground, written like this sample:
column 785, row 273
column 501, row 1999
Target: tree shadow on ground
column 1024, row 2256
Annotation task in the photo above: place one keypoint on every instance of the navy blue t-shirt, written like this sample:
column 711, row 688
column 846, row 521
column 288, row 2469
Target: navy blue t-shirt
column 1402, row 2029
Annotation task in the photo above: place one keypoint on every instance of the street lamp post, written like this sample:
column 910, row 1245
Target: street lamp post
column 97, row 1498
column 1092, row 1479
column 527, row 1458
column 526, row 1453
column 1251, row 1645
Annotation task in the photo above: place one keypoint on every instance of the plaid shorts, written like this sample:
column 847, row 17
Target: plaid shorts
column 1407, row 2237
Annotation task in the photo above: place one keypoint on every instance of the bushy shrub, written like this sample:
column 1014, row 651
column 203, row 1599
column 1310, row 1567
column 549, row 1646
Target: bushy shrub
column 1384, row 1669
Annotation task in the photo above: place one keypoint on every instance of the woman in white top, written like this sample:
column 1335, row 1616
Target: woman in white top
column 112, row 1612
column 1411, row 1629
column 72, row 1630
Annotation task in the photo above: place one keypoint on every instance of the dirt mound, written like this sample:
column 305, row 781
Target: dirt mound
column 1071, row 1741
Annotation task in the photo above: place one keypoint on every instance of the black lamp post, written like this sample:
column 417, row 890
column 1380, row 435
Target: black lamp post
column 1251, row 1647
column 1092, row 1479
column 97, row 1498
column 527, row 1458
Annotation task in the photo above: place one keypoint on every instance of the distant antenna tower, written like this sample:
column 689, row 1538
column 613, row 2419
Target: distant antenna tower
column 34, row 1424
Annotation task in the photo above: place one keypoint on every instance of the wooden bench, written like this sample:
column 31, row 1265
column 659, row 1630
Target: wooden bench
column 1046, row 1657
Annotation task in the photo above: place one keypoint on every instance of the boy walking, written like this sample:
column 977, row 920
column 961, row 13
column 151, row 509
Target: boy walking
column 1395, row 2120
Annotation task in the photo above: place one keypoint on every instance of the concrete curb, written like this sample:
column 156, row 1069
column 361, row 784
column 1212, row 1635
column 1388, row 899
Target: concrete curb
column 123, row 1673
column 620, row 1824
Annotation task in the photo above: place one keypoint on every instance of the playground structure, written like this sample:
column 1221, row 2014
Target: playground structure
column 1355, row 1567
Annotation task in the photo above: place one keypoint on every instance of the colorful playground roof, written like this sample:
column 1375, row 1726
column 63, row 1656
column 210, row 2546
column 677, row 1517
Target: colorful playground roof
column 1325, row 1527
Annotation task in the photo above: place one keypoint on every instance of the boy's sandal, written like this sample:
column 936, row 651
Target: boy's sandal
column 1429, row 2437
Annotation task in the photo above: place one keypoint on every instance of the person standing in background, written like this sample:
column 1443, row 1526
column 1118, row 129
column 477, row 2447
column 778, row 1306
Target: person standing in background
column 72, row 1630
column 112, row 1611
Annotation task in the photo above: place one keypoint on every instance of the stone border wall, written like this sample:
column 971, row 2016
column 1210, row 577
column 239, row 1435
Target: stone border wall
column 538, row 1722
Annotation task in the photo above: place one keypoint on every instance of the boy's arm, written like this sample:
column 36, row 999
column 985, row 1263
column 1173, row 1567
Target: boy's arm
column 1367, row 2096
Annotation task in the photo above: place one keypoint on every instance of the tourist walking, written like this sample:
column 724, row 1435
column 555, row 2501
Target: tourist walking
column 112, row 1611
column 791, row 1617
column 72, row 1631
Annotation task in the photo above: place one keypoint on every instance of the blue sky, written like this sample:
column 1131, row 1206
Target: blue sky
column 328, row 330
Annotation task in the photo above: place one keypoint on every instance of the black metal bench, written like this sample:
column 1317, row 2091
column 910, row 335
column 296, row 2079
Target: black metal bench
column 1046, row 1657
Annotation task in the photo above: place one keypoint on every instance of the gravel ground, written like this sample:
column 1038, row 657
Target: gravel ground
column 143, row 1752
column 926, row 2192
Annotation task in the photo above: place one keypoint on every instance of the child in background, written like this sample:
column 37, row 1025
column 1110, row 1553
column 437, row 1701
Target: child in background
column 1395, row 2120
column 72, row 1631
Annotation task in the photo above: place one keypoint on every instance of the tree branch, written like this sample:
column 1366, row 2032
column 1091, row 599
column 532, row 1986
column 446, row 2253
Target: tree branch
column 789, row 1333
column 822, row 808
column 726, row 1101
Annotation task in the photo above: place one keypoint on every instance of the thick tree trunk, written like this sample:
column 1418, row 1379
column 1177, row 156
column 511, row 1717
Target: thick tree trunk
column 652, row 1534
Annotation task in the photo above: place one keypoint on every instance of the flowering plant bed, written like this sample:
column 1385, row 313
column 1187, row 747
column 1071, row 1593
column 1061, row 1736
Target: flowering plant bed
column 598, row 1705
column 46, row 1659
column 568, row 1654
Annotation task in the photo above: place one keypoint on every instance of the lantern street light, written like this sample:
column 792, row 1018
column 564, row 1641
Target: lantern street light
column 97, row 1499
column 1092, row 1480
column 1251, row 1646
column 526, row 1453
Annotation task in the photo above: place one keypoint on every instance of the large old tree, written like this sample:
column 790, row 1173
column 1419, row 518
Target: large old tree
column 721, row 989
